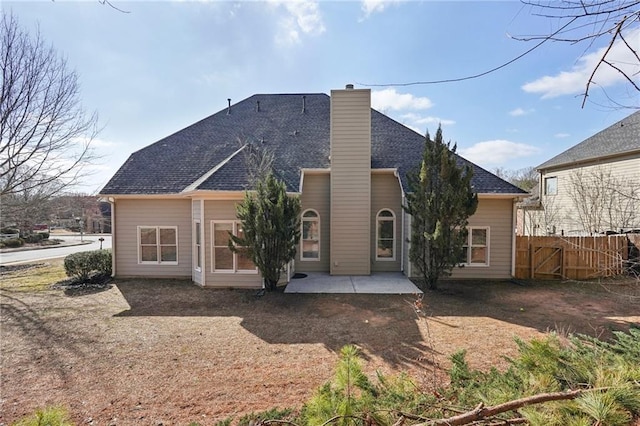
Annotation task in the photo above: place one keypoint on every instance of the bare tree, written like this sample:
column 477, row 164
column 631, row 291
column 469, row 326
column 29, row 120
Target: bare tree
column 45, row 134
column 596, row 207
column 587, row 21
column 525, row 178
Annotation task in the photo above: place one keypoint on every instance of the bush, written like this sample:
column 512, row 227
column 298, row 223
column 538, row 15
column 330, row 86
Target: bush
column 33, row 238
column 50, row 416
column 12, row 243
column 82, row 266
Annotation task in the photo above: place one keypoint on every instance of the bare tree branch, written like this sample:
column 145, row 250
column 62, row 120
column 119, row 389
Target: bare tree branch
column 45, row 134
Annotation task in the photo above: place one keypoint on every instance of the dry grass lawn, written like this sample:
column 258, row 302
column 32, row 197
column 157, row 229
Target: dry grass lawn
column 151, row 352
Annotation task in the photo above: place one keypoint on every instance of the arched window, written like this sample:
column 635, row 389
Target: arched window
column 310, row 236
column 385, row 235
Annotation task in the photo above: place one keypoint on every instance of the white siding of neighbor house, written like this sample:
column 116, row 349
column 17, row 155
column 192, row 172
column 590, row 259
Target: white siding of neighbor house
column 315, row 195
column 350, row 182
column 223, row 210
column 131, row 213
column 497, row 215
column 386, row 194
column 561, row 210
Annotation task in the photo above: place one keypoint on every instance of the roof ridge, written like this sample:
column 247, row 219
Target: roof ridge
column 195, row 184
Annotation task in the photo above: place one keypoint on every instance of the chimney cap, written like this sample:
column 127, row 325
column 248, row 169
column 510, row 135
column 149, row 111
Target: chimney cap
column 349, row 86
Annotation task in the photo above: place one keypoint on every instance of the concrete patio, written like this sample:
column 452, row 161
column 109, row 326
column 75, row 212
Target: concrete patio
column 377, row 283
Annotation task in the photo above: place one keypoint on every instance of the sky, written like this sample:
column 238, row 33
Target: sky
column 165, row 65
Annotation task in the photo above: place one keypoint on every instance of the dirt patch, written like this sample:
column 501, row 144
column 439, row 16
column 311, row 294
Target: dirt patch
column 152, row 352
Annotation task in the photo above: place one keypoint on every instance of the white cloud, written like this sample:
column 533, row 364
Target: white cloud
column 416, row 119
column 574, row 82
column 374, row 6
column 561, row 135
column 389, row 99
column 520, row 112
column 302, row 17
column 497, row 152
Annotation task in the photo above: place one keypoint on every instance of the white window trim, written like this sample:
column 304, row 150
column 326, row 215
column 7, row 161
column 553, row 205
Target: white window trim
column 158, row 245
column 316, row 219
column 393, row 220
column 545, row 185
column 195, row 245
column 488, row 246
column 235, row 270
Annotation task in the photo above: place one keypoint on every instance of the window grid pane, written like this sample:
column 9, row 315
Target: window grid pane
column 310, row 244
column 385, row 235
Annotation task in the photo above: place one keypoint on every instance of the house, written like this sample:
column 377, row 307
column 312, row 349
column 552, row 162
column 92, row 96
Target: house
column 173, row 202
column 593, row 187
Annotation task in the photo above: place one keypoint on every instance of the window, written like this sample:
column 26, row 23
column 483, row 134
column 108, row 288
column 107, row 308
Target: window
column 476, row 249
column 225, row 260
column 385, row 235
column 310, row 236
column 198, row 245
column 550, row 186
column 158, row 244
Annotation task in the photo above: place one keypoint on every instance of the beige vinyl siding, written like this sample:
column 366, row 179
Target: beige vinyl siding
column 223, row 210
column 131, row 213
column 561, row 210
column 315, row 195
column 386, row 194
column 196, row 216
column 496, row 214
column 350, row 182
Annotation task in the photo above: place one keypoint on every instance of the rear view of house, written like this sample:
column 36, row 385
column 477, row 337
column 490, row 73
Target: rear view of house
column 173, row 202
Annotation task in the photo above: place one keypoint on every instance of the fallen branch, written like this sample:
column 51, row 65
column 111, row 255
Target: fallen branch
column 481, row 412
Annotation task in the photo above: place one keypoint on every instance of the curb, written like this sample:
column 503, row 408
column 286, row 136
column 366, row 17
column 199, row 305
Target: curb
column 13, row 250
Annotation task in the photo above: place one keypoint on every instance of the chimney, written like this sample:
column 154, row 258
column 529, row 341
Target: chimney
column 304, row 104
column 258, row 106
column 350, row 182
column 229, row 106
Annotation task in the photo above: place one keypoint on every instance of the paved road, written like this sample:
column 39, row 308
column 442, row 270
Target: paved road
column 52, row 253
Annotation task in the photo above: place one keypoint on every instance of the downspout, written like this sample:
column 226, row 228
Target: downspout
column 203, row 243
column 402, row 235
column 513, row 239
column 112, row 201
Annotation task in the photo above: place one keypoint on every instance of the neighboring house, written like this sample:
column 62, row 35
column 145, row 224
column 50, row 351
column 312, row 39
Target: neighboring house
column 593, row 187
column 173, row 202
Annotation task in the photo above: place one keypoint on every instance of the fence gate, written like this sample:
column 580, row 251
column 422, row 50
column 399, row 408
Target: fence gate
column 546, row 262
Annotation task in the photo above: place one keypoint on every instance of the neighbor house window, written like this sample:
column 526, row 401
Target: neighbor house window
column 476, row 248
column 310, row 238
column 223, row 258
column 197, row 245
column 158, row 244
column 550, row 186
column 385, row 235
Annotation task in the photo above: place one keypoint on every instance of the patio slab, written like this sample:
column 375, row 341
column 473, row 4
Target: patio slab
column 377, row 283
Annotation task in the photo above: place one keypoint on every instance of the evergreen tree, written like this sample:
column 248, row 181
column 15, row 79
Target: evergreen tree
column 271, row 228
column 440, row 201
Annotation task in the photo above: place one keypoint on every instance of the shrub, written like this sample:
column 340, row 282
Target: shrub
column 50, row 416
column 83, row 265
column 33, row 238
column 12, row 243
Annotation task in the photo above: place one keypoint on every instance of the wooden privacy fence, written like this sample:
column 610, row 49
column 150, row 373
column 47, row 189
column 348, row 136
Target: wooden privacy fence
column 576, row 258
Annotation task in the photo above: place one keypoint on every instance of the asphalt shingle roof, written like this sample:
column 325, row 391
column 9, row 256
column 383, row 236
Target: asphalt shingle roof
column 620, row 138
column 298, row 139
